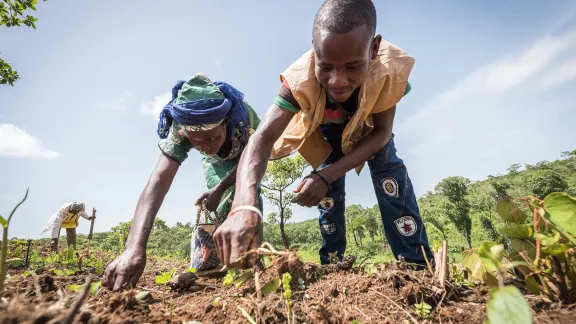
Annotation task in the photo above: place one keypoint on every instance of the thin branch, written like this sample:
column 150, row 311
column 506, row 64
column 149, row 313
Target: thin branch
column 79, row 301
column 399, row 307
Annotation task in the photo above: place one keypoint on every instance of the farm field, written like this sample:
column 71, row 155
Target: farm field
column 167, row 293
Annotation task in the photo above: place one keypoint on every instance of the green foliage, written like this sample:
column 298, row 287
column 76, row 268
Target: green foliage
column 286, row 278
column 164, row 277
column 229, row 278
column 507, row 305
column 457, row 206
column 4, row 253
column 14, row 13
column 242, row 279
column 280, row 175
column 271, row 286
column 422, row 310
column 562, row 210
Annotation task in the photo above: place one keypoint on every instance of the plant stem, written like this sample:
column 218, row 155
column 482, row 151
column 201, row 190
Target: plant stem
column 3, row 259
column 536, row 220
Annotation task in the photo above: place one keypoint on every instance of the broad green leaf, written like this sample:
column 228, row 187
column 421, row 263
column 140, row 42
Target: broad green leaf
column 471, row 261
column 516, row 231
column 491, row 255
column 163, row 278
column 191, row 270
column 562, row 210
column 532, row 285
column 271, row 286
column 242, row 279
column 524, row 246
column 547, row 240
column 3, row 222
column 556, row 249
column 510, row 212
column 507, row 305
column 489, row 279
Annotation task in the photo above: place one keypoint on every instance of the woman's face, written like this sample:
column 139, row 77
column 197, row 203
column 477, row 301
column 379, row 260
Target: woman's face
column 210, row 141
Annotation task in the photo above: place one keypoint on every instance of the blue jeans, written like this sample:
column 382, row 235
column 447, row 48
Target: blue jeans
column 403, row 225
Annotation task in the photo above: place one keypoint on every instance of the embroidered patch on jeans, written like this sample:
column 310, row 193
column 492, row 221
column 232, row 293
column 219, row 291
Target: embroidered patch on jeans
column 327, row 203
column 328, row 229
column 390, row 186
column 406, row 225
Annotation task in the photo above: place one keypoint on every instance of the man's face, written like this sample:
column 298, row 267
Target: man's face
column 209, row 141
column 342, row 60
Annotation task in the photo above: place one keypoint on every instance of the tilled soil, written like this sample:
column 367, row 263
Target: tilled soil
column 334, row 296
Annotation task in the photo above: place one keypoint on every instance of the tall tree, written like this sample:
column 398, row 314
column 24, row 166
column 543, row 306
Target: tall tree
column 457, row 207
column 542, row 182
column 14, row 13
column 280, row 175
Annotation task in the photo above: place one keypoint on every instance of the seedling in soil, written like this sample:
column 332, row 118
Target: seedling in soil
column 94, row 288
column 422, row 310
column 301, row 284
column 286, row 278
column 5, row 223
column 191, row 270
column 229, row 278
column 163, row 279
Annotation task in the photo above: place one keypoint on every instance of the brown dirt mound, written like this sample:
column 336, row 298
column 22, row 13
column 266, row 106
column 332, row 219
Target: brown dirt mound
column 330, row 295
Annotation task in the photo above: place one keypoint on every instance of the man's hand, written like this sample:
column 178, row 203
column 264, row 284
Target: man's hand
column 125, row 270
column 211, row 198
column 240, row 233
column 310, row 191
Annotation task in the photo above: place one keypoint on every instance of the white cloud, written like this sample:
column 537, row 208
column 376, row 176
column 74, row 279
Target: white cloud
column 154, row 106
column 118, row 104
column 18, row 143
column 482, row 120
column 565, row 73
column 501, row 75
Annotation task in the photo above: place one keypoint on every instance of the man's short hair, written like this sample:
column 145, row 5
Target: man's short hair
column 343, row 16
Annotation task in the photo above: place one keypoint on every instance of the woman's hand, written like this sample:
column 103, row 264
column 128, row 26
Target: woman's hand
column 211, row 198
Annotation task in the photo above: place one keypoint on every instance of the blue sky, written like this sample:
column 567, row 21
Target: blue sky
column 493, row 85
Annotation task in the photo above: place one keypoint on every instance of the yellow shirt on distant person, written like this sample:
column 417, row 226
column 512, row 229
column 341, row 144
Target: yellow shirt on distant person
column 64, row 218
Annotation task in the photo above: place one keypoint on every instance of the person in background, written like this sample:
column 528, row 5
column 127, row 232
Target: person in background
column 336, row 106
column 66, row 217
column 214, row 119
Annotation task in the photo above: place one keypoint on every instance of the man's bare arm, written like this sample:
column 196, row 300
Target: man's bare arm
column 366, row 148
column 150, row 201
column 255, row 157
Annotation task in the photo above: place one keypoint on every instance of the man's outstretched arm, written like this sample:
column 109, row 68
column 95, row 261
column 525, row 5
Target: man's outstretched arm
column 243, row 231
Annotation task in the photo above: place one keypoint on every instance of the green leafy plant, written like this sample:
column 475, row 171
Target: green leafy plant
column 163, row 279
column 94, row 287
column 286, row 279
column 422, row 310
column 5, row 223
column 242, row 279
column 229, row 278
column 543, row 250
column 301, row 283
